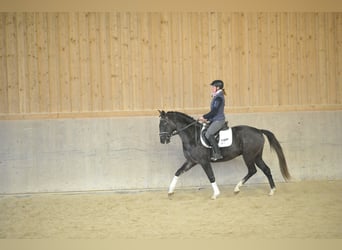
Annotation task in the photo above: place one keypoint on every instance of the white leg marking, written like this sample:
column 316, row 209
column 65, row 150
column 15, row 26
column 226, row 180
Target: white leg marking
column 237, row 187
column 272, row 191
column 216, row 190
column 173, row 184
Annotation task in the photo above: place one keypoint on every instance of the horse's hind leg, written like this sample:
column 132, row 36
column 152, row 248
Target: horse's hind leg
column 185, row 167
column 251, row 171
column 210, row 174
column 267, row 171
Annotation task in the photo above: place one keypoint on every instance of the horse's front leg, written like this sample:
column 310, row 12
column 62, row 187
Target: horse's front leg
column 185, row 167
column 210, row 173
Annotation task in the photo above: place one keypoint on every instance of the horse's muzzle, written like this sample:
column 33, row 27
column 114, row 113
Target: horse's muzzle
column 164, row 138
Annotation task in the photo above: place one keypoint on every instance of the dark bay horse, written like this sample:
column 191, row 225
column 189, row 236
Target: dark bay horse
column 247, row 141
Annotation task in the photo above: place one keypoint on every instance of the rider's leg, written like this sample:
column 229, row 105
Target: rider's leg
column 214, row 127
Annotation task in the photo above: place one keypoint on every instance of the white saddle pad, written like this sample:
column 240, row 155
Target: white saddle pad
column 226, row 138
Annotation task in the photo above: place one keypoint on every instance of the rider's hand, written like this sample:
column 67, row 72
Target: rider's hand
column 202, row 119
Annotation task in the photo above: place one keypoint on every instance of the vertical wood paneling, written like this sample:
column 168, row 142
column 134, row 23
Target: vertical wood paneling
column 331, row 62
column 146, row 84
column 94, row 55
column 74, row 51
column 274, row 52
column 236, row 50
column 32, row 62
column 116, row 80
column 253, row 59
column 284, row 68
column 204, row 94
column 322, row 59
column 186, row 56
column 64, row 63
column 3, row 65
column 105, row 63
column 177, row 68
column 227, row 75
column 12, row 64
column 22, row 65
column 53, row 63
column 293, row 59
column 166, row 59
column 338, row 49
column 43, row 62
column 92, row 63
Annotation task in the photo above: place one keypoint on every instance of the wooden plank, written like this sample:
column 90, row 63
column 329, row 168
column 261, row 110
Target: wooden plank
column 196, row 58
column 146, row 61
column 125, row 61
column 115, row 51
column 32, row 61
column 12, row 63
column 227, row 63
column 188, row 98
column 284, row 59
column 293, row 60
column 274, row 49
column 338, row 30
column 177, row 68
column 95, row 72
column 43, row 63
column 302, row 83
column 3, row 65
column 74, row 54
column 331, row 59
column 322, row 59
column 64, row 63
column 236, row 49
column 204, row 92
column 53, row 62
column 85, row 79
column 135, row 63
column 254, row 59
column 106, row 88
column 263, row 34
column 311, row 58
column 158, row 102
column 244, row 66
column 22, row 65
column 213, row 46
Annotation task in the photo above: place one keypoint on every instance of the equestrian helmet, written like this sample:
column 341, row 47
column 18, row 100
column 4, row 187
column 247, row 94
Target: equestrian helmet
column 217, row 83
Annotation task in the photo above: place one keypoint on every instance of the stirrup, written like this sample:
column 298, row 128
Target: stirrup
column 216, row 157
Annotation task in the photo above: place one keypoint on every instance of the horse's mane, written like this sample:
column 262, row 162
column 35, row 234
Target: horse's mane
column 183, row 115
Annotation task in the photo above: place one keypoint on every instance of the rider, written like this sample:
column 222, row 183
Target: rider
column 215, row 116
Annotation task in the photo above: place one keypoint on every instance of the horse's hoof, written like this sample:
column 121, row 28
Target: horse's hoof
column 170, row 195
column 236, row 192
column 272, row 192
column 214, row 196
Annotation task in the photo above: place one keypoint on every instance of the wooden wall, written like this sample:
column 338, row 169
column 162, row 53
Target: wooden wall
column 80, row 64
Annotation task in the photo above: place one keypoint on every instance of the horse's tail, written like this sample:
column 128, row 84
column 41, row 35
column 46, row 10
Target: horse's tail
column 281, row 158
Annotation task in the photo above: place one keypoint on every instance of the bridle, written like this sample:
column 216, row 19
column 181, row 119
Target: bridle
column 176, row 131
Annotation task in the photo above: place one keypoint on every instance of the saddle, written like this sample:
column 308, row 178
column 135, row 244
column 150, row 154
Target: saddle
column 224, row 136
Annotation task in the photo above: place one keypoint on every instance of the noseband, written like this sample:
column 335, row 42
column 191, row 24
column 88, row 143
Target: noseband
column 176, row 132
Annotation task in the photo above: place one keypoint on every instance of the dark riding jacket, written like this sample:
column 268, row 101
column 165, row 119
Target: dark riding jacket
column 216, row 112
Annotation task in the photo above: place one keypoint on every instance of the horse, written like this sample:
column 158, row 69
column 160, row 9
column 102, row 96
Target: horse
column 247, row 141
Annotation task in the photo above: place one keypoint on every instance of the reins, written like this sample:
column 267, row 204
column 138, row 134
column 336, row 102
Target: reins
column 176, row 132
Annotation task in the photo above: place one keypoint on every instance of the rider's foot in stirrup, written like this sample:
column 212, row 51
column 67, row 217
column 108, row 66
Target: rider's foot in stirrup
column 216, row 157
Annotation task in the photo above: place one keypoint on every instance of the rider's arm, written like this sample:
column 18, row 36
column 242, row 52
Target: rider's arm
column 214, row 110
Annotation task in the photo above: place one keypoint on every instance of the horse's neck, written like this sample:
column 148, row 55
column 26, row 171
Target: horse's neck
column 190, row 134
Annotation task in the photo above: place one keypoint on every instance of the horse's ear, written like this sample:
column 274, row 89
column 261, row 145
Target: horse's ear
column 161, row 113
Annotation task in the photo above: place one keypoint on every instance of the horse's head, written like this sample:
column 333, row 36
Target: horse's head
column 166, row 128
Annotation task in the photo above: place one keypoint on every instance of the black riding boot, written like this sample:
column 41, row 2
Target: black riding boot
column 216, row 150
